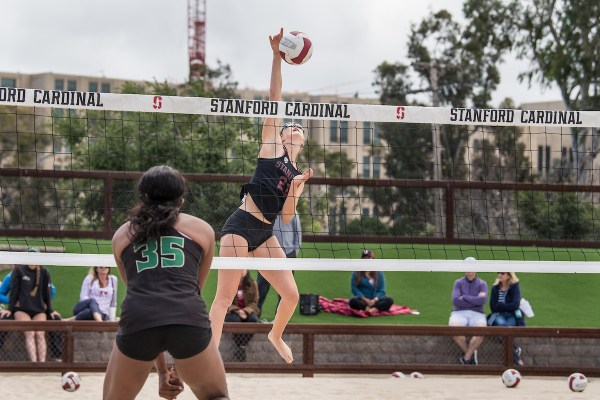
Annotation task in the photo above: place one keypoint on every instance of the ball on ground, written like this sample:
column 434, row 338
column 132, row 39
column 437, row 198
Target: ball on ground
column 398, row 374
column 295, row 48
column 71, row 381
column 417, row 375
column 577, row 382
column 511, row 378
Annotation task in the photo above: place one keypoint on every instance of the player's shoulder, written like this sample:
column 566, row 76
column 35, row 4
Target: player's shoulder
column 189, row 223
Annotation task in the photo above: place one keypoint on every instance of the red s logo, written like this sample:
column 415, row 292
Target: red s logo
column 400, row 112
column 157, row 103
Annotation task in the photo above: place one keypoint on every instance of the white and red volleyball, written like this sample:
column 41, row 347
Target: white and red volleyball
column 511, row 378
column 398, row 374
column 295, row 48
column 577, row 382
column 417, row 375
column 70, row 381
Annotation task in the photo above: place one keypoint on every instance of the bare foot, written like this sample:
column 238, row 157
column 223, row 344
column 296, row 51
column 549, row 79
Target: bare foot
column 284, row 351
column 69, row 319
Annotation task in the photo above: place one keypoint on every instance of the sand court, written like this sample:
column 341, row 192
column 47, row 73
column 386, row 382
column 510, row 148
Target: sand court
column 328, row 387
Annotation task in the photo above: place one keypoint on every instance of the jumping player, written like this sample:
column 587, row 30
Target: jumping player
column 275, row 187
column 164, row 257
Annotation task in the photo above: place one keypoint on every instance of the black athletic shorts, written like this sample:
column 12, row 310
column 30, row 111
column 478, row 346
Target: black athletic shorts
column 244, row 224
column 182, row 341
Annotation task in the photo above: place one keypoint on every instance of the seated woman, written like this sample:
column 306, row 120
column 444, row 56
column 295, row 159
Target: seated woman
column 244, row 308
column 505, row 302
column 98, row 295
column 30, row 301
column 368, row 288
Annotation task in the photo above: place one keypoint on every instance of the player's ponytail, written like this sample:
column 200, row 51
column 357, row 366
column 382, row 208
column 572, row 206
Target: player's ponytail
column 161, row 190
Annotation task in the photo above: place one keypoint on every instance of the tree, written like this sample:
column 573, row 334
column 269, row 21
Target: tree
column 131, row 141
column 562, row 41
column 26, row 202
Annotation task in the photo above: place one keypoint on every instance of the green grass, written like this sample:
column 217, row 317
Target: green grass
column 564, row 300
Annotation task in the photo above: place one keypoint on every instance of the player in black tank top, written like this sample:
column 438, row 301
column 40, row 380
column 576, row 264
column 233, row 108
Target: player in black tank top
column 164, row 257
column 275, row 188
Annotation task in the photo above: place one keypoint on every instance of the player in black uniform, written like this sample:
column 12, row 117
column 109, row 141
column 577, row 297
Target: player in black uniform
column 164, row 257
column 275, row 187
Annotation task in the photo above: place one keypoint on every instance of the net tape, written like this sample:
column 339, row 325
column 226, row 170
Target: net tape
column 294, row 109
column 316, row 264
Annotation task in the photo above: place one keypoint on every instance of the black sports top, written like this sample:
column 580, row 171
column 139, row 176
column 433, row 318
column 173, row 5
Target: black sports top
column 270, row 184
column 162, row 284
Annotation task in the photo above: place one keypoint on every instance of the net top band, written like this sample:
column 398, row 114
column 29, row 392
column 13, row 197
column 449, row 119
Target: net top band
column 294, row 109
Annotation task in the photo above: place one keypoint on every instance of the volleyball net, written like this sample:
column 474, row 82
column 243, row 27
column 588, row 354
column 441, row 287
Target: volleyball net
column 421, row 187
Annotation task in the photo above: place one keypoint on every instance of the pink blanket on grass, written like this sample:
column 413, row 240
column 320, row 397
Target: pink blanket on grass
column 340, row 306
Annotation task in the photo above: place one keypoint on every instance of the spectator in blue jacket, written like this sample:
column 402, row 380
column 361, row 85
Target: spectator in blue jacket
column 368, row 288
column 505, row 301
column 469, row 294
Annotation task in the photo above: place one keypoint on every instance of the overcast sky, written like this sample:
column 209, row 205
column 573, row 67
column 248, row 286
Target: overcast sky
column 147, row 39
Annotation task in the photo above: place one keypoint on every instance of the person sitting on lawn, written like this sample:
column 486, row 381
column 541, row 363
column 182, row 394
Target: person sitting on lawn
column 368, row 288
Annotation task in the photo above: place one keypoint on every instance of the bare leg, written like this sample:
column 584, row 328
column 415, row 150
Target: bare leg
column 125, row 376
column 461, row 341
column 473, row 345
column 29, row 336
column 204, row 373
column 228, row 281
column 283, row 282
column 40, row 339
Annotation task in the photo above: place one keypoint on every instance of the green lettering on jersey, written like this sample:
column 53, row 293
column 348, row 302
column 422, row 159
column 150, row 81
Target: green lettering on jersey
column 171, row 253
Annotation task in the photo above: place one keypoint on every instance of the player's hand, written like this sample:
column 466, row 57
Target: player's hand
column 274, row 40
column 169, row 385
column 303, row 177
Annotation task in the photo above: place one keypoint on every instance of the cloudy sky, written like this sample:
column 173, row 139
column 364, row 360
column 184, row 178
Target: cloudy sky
column 147, row 39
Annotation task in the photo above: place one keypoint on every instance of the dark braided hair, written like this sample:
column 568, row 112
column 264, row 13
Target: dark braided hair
column 161, row 190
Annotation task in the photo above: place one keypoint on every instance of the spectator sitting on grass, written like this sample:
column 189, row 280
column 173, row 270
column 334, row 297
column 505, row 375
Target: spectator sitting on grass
column 368, row 288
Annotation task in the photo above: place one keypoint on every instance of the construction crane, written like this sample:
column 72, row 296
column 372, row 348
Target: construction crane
column 197, row 38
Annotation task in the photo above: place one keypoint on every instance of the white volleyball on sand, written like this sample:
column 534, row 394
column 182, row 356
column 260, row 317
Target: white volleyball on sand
column 398, row 374
column 577, row 382
column 295, row 47
column 70, row 381
column 511, row 378
column 417, row 375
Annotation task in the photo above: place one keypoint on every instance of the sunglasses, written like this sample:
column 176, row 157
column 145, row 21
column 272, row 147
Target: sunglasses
column 292, row 125
column 503, row 273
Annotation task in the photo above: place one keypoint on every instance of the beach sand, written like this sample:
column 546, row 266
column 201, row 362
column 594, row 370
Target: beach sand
column 323, row 387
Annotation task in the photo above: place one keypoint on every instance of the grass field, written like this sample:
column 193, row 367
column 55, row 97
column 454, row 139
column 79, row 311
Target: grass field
column 564, row 300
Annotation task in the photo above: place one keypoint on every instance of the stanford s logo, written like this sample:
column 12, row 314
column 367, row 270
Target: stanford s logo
column 157, row 102
column 400, row 112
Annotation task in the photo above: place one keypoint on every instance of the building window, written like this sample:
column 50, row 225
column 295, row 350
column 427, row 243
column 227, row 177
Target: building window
column 548, row 152
column 8, row 82
column 376, row 167
column 93, row 87
column 344, row 131
column 366, row 167
column 71, row 85
column 105, row 87
column 365, row 212
column 59, row 84
column 333, row 131
column 540, row 159
column 375, row 135
column 367, row 132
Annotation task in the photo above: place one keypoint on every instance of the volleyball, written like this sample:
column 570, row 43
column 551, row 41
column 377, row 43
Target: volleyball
column 417, row 375
column 295, row 48
column 398, row 374
column 577, row 382
column 511, row 378
column 71, row 381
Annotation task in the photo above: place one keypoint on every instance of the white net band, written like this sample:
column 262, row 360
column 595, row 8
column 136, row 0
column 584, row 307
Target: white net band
column 294, row 109
column 315, row 264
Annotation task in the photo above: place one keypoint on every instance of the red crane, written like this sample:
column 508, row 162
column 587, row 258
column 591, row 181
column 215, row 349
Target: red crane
column 197, row 38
